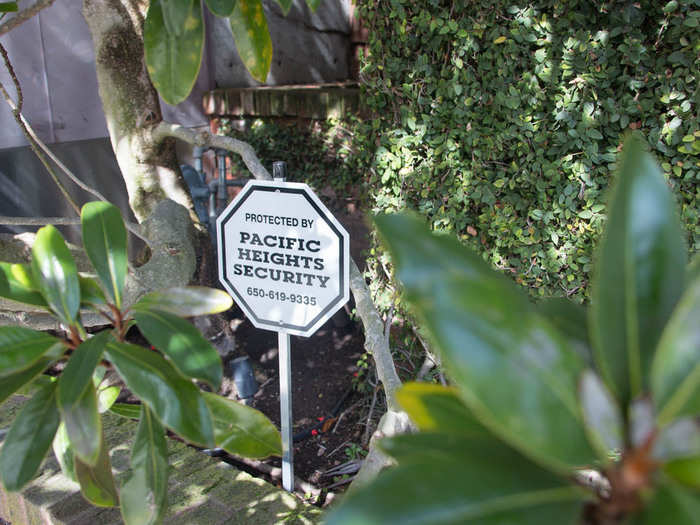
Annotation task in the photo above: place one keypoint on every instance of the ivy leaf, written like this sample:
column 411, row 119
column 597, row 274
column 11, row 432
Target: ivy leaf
column 172, row 61
column 252, row 37
column 489, row 336
column 186, row 301
column 20, row 348
column 187, row 349
column 29, row 439
column 17, row 283
column 104, row 239
column 222, row 8
column 97, row 482
column 638, row 277
column 144, row 493
column 175, row 400
column 55, row 274
column 242, row 430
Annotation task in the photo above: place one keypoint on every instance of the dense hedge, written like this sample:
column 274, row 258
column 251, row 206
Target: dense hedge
column 501, row 120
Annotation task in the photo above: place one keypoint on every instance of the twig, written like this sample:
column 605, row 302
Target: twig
column 368, row 427
column 13, row 76
column 23, row 16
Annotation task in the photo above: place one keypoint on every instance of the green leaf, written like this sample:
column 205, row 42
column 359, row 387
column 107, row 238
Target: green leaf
column 671, row 504
column 175, row 400
column 223, row 8
column 78, row 372
column 242, row 430
column 445, row 479
column 675, row 372
column 55, row 273
column 286, row 6
column 64, row 453
column 518, row 375
column 90, row 292
column 106, row 398
column 435, row 408
column 96, row 482
column 639, row 273
column 601, row 413
column 252, row 37
column 191, row 354
column 175, row 13
column 186, row 301
column 17, row 283
column 126, row 410
column 8, row 7
column 679, row 440
column 172, row 61
column 685, row 471
column 313, row 4
column 29, row 439
column 570, row 319
column 20, row 348
column 83, row 424
column 104, row 239
column 9, row 384
column 144, row 493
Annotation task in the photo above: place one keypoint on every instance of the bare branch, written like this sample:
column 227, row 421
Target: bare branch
column 38, row 221
column 207, row 139
column 25, row 15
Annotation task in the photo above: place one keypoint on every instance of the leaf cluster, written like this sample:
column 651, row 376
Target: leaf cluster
column 501, row 122
column 66, row 408
column 548, row 396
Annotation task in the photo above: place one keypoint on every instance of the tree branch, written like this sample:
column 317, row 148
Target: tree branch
column 207, row 139
column 25, row 15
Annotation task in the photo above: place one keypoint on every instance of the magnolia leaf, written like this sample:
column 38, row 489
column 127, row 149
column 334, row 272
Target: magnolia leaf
column 187, row 349
column 173, row 61
column 252, row 37
column 680, row 439
column 90, row 292
column 186, row 301
column 29, row 439
column 9, row 384
column 455, row 479
column 106, row 398
column 8, row 7
column 601, row 413
column 144, row 493
column 685, row 471
column 104, row 239
column 313, row 4
column 242, row 430
column 675, row 372
column 80, row 367
column 64, row 453
column 286, row 5
column 175, row 400
column 83, row 424
column 97, row 482
column 126, row 410
column 17, row 283
column 175, row 14
column 671, row 504
column 222, row 8
column 570, row 319
column 55, row 274
column 515, row 372
column 21, row 348
column 639, row 273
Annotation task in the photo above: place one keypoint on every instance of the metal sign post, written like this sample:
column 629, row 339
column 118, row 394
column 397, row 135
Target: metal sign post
column 285, row 259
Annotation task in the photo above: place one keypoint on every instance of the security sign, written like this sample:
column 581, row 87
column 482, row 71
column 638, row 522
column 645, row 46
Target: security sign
column 283, row 257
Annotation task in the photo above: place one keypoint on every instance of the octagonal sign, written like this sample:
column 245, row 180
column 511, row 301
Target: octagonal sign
column 283, row 257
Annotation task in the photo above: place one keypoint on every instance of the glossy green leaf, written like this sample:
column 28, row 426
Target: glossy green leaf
column 104, row 239
column 78, row 372
column 106, row 397
column 8, row 7
column 97, row 482
column 692, row 271
column 83, row 424
column 64, row 453
column 602, row 415
column 20, row 348
column 444, row 479
column 242, row 430
column 313, row 4
column 176, row 401
column 145, row 491
column 639, row 273
column 187, row 349
column 571, row 320
column 672, row 504
column 222, row 8
column 186, row 301
column 90, row 292
column 175, row 14
column 285, row 5
column 252, row 37
column 675, row 372
column 126, row 410
column 435, row 408
column 685, row 471
column 515, row 372
column 55, row 274
column 173, row 62
column 9, row 384
column 29, row 439
column 17, row 283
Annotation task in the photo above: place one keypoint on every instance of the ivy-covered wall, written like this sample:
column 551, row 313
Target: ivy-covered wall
column 501, row 120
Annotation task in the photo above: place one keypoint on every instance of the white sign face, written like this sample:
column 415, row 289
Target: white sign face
column 283, row 257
